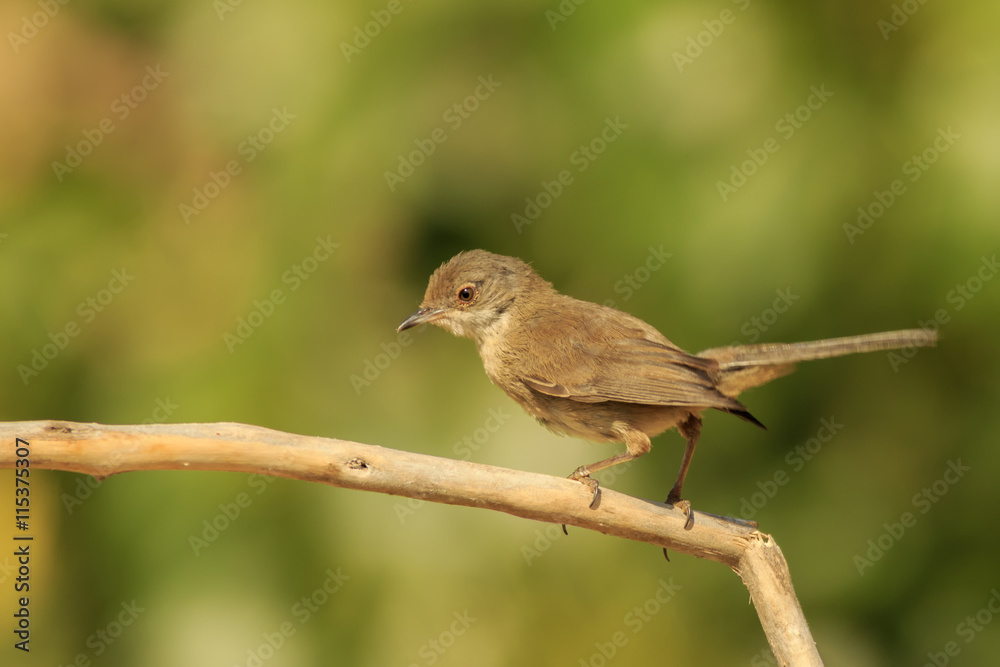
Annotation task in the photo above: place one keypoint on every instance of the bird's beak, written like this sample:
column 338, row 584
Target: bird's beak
column 422, row 316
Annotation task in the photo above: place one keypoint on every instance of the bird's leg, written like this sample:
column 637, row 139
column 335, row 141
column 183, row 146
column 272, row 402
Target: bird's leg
column 636, row 444
column 690, row 428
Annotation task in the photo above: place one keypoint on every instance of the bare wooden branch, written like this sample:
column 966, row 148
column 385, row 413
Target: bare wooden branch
column 103, row 450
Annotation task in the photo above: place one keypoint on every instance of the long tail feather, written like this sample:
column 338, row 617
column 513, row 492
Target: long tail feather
column 743, row 367
column 766, row 354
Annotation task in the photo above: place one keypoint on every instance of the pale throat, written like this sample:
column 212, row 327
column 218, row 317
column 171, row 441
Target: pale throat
column 483, row 326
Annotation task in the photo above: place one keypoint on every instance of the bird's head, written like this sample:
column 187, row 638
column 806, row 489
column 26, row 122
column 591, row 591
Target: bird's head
column 475, row 294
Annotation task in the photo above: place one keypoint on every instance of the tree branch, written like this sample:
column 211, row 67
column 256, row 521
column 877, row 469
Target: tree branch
column 101, row 450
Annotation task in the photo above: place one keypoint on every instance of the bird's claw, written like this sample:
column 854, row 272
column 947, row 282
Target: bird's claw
column 582, row 476
column 594, row 486
column 684, row 506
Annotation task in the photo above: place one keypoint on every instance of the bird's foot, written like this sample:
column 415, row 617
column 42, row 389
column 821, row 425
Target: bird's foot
column 582, row 475
column 684, row 506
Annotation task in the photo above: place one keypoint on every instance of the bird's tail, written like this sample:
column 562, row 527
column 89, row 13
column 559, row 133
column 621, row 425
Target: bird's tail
column 742, row 367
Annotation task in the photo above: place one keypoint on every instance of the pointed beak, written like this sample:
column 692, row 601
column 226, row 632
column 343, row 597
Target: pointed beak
column 422, row 316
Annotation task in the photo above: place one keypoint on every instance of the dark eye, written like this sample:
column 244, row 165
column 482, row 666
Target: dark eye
column 467, row 294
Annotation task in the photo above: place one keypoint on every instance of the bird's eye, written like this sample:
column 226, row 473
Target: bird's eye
column 467, row 294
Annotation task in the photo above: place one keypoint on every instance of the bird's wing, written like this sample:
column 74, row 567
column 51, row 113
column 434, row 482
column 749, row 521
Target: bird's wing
column 592, row 354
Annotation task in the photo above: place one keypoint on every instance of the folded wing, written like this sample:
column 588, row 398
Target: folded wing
column 601, row 358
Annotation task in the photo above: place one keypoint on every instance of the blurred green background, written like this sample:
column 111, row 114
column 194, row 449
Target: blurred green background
column 167, row 167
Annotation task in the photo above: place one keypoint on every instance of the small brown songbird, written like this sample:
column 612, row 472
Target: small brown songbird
column 600, row 374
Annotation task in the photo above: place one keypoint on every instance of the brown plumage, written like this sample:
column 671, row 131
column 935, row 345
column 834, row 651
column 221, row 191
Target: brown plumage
column 597, row 373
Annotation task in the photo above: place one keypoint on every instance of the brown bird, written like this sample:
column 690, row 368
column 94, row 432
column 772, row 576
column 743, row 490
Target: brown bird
column 600, row 374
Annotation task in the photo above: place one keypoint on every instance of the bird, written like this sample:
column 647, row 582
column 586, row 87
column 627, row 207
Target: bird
column 590, row 371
